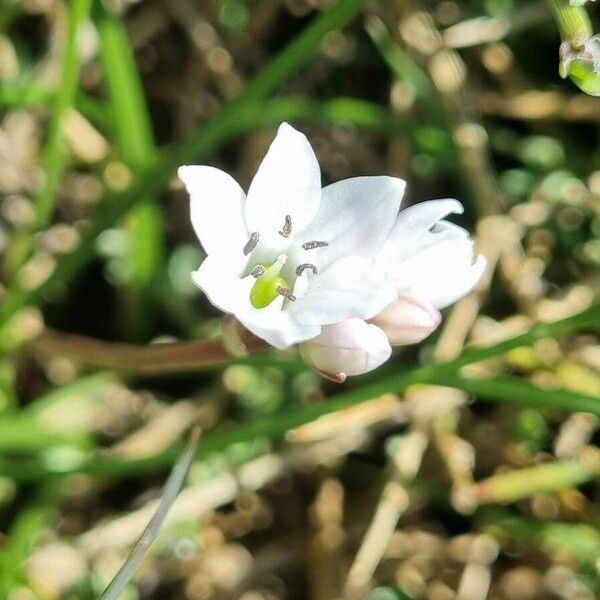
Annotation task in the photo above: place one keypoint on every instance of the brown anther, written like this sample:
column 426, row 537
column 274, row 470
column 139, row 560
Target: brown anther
column 301, row 268
column 258, row 271
column 287, row 294
column 286, row 231
column 251, row 243
column 314, row 244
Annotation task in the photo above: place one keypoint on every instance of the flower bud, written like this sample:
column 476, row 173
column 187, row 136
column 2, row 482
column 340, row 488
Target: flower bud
column 408, row 320
column 351, row 347
column 582, row 64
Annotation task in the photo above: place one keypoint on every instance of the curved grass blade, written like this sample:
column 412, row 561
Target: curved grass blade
column 170, row 493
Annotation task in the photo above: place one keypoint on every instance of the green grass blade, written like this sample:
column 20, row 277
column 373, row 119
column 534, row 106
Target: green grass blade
column 53, row 158
column 512, row 390
column 170, row 493
column 13, row 95
column 135, row 142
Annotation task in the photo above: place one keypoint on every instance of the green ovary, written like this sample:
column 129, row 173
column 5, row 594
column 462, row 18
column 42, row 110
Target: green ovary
column 264, row 291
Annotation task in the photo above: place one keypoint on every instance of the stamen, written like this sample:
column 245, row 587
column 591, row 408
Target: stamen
column 258, row 271
column 287, row 227
column 314, row 244
column 251, row 243
column 285, row 292
column 301, row 268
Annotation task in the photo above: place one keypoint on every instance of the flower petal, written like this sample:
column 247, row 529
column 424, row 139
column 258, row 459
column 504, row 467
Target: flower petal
column 276, row 326
column 415, row 221
column 288, row 182
column 417, row 227
column 452, row 285
column 347, row 289
column 441, row 272
column 219, row 280
column 408, row 320
column 351, row 347
column 355, row 217
column 216, row 209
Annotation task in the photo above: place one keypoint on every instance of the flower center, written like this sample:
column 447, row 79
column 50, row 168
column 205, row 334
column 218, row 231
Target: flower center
column 269, row 284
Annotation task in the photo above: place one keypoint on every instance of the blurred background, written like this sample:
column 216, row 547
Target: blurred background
column 469, row 481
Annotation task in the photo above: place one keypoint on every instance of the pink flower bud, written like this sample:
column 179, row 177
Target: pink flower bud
column 351, row 347
column 408, row 320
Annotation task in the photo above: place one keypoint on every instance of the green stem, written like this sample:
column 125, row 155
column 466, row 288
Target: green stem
column 135, row 141
column 31, row 94
column 573, row 22
column 590, row 317
column 53, row 158
column 170, row 492
column 512, row 390
column 523, row 483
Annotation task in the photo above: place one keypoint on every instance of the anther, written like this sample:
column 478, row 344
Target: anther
column 301, row 268
column 314, row 244
column 285, row 292
column 286, row 231
column 251, row 243
column 258, row 271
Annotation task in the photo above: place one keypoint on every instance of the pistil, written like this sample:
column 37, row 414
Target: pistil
column 268, row 284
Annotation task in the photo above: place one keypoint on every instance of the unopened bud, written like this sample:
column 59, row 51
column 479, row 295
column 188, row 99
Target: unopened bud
column 351, row 347
column 408, row 320
column 582, row 64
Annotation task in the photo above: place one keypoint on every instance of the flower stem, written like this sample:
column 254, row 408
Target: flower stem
column 184, row 356
column 573, row 22
column 153, row 359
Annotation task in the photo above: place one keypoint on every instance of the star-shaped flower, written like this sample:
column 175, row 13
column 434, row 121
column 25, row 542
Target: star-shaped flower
column 290, row 257
column 337, row 268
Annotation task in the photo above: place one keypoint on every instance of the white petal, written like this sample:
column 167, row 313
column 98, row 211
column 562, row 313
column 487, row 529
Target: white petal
column 216, row 209
column 351, row 347
column 288, row 182
column 347, row 289
column 452, row 284
column 416, row 221
column 278, row 327
column 355, row 217
column 217, row 277
column 408, row 320
column 219, row 280
column 440, row 271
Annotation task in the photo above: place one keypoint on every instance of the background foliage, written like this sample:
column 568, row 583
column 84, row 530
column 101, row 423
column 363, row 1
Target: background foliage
column 464, row 468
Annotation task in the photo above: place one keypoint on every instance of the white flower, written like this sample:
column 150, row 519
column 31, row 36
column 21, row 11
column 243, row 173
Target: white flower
column 291, row 257
column 294, row 262
column 348, row 348
column 430, row 262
